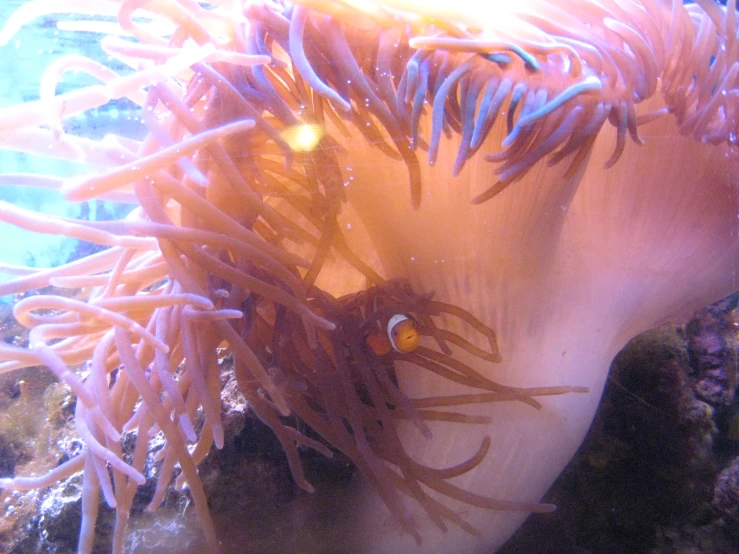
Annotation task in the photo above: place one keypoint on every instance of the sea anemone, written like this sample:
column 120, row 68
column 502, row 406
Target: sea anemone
column 313, row 169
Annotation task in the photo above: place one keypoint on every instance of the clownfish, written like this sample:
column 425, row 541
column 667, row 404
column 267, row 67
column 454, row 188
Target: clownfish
column 402, row 336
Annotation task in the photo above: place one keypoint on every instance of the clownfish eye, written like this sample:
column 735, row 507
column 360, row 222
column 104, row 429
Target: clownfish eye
column 403, row 334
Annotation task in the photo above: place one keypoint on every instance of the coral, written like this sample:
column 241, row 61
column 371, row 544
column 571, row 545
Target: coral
column 714, row 340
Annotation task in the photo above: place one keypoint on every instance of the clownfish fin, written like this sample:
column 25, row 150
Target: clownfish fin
column 379, row 344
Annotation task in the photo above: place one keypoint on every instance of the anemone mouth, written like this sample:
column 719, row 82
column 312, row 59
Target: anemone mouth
column 236, row 222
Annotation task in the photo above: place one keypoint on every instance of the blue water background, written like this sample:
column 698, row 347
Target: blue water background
column 22, row 62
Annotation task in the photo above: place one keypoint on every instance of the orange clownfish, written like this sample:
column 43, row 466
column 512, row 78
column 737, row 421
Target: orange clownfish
column 402, row 336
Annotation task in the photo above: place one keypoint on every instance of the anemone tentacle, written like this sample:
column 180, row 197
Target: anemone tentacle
column 241, row 242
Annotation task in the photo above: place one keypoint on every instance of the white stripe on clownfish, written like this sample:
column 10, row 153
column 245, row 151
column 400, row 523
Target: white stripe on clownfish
column 403, row 334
